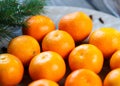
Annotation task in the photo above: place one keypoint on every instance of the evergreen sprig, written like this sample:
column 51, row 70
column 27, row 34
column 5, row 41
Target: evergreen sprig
column 14, row 12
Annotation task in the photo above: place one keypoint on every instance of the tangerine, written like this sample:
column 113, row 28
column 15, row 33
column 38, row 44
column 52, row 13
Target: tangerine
column 115, row 60
column 83, row 77
column 86, row 56
column 38, row 26
column 43, row 82
column 24, row 47
column 48, row 65
column 58, row 41
column 112, row 78
column 77, row 24
column 11, row 70
column 106, row 39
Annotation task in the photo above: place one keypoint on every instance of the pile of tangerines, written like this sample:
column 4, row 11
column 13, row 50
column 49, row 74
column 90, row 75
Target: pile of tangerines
column 46, row 51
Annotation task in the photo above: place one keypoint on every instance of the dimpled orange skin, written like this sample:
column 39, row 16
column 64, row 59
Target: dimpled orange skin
column 112, row 78
column 115, row 60
column 86, row 56
column 24, row 47
column 11, row 70
column 58, row 41
column 77, row 24
column 106, row 39
column 38, row 26
column 48, row 65
column 83, row 77
column 43, row 82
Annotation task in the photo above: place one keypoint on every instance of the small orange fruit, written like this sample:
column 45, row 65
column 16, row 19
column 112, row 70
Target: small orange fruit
column 115, row 60
column 86, row 56
column 24, row 47
column 83, row 77
column 106, row 39
column 43, row 82
column 58, row 41
column 112, row 78
column 48, row 65
column 77, row 24
column 11, row 70
column 38, row 26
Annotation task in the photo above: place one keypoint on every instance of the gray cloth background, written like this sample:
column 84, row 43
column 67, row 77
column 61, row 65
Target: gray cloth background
column 107, row 6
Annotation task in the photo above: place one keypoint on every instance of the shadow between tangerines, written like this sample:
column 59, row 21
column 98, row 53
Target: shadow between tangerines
column 105, row 69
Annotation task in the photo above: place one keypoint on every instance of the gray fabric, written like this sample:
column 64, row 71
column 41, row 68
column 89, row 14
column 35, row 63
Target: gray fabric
column 113, row 6
column 107, row 6
column 76, row 3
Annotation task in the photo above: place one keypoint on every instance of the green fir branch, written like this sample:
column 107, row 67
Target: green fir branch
column 14, row 12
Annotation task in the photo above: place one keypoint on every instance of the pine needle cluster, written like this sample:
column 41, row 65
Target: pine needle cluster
column 14, row 12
